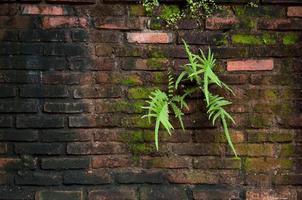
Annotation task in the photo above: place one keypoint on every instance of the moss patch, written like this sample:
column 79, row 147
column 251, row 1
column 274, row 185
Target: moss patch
column 264, row 39
column 290, row 39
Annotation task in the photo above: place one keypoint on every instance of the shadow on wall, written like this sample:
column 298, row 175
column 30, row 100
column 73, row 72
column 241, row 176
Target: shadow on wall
column 71, row 127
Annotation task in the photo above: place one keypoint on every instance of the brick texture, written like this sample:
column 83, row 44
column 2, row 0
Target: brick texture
column 74, row 75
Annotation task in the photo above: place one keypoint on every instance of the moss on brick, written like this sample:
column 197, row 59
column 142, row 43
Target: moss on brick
column 290, row 38
column 136, row 10
column 140, row 92
column 265, row 39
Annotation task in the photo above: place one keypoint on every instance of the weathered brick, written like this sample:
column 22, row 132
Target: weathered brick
column 162, row 192
column 95, row 177
column 33, row 62
column 40, row 121
column 3, row 148
column 265, row 194
column 131, row 177
column 8, row 9
column 280, row 24
column 16, row 193
column 59, row 22
column 101, row 120
column 67, row 107
column 167, row 162
column 114, row 193
column 66, row 135
column 198, row 37
column 44, row 36
column 103, row 50
column 120, row 23
column 197, row 149
column 294, row 11
column 38, row 179
column 66, row 49
column 39, row 148
column 6, row 121
column 49, row 91
column 96, row 148
column 80, row 35
column 18, row 106
column 69, row 78
column 18, row 135
column 218, row 23
column 8, row 35
column 65, row 163
column 151, row 64
column 255, row 149
column 97, row 92
column 200, row 194
column 105, row 36
column 157, row 38
column 266, row 165
column 43, row 10
column 111, row 161
column 53, row 194
column 18, row 22
column 250, row 65
column 216, row 163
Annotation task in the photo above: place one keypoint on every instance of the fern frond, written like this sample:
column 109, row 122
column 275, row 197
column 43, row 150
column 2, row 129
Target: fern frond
column 216, row 110
column 158, row 109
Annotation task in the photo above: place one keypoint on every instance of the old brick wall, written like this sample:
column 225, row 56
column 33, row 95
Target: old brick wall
column 74, row 75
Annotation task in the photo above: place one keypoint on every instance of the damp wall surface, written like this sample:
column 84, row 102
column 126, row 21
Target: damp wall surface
column 74, row 75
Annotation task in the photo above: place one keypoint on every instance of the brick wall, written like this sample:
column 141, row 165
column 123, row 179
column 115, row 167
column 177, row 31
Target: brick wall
column 74, row 75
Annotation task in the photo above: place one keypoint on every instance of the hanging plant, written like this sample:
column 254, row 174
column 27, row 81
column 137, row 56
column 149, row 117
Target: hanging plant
column 200, row 71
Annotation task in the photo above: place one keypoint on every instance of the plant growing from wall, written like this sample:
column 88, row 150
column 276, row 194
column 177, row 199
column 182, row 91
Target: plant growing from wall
column 196, row 9
column 199, row 70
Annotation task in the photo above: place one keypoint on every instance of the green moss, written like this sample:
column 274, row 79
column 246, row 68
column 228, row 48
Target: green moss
column 157, row 63
column 254, row 39
column 287, row 150
column 222, row 40
column 290, row 39
column 157, row 53
column 269, row 39
column 138, row 149
column 136, row 10
column 170, row 14
column 246, row 39
column 156, row 24
column 159, row 77
column 270, row 94
column 130, row 80
column 139, row 92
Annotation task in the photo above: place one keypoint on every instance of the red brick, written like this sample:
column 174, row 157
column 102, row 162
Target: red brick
column 266, row 194
column 160, row 38
column 250, row 65
column 6, row 163
column 57, row 22
column 215, row 23
column 294, row 11
column 120, row 23
column 167, row 162
column 280, row 24
column 202, row 194
column 43, row 10
column 111, row 161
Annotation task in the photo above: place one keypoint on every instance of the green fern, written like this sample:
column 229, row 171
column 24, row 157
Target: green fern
column 159, row 107
column 199, row 70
